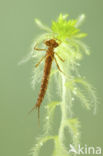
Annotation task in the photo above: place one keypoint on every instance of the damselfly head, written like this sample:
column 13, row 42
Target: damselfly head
column 52, row 43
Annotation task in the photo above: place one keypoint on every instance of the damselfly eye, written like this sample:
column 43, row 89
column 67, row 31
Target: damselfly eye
column 48, row 43
column 56, row 44
column 52, row 43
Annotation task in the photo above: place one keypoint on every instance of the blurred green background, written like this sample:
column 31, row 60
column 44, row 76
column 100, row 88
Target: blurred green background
column 17, row 30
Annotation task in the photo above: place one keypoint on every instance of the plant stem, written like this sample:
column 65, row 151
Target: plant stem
column 66, row 112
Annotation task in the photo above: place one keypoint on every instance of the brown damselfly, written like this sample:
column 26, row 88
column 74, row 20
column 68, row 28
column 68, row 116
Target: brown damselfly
column 49, row 57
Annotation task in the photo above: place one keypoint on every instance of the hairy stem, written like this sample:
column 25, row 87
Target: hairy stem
column 66, row 112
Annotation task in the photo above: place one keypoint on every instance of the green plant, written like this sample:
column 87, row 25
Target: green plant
column 67, row 86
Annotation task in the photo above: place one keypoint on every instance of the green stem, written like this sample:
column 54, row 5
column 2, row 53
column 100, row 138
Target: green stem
column 65, row 106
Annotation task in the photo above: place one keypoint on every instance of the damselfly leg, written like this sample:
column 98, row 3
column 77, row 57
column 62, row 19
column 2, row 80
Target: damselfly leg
column 59, row 57
column 40, row 61
column 58, row 65
column 38, row 49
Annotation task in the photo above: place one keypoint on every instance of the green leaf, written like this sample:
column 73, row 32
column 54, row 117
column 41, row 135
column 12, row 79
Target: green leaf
column 42, row 26
column 81, row 35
